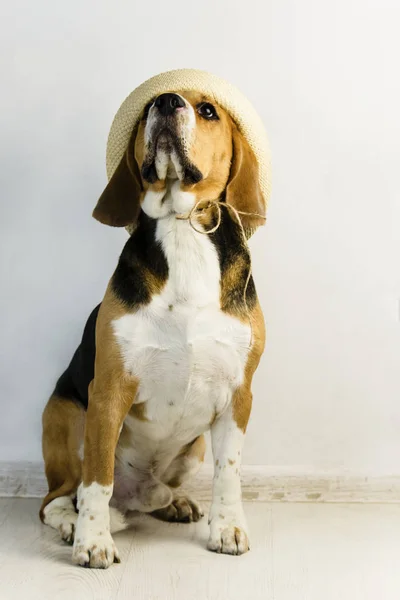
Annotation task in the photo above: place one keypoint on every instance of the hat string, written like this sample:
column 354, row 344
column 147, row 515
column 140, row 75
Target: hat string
column 217, row 203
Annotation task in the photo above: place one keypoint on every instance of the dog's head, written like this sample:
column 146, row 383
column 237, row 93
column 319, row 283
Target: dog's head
column 185, row 149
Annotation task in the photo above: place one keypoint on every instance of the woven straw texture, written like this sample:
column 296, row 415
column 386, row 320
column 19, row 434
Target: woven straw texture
column 222, row 92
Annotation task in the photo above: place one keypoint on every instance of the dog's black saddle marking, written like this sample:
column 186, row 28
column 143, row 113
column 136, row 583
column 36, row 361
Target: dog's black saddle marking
column 74, row 382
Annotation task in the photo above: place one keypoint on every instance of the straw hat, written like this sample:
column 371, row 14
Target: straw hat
column 223, row 93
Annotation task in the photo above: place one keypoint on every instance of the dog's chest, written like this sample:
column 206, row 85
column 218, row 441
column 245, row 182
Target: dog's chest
column 187, row 354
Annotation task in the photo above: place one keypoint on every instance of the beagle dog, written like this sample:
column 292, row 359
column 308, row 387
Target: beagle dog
column 171, row 350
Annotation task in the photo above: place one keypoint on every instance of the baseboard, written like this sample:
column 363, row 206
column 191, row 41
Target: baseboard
column 268, row 484
column 259, row 484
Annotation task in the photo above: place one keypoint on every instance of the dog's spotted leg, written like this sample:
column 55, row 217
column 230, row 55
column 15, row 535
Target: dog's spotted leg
column 228, row 529
column 94, row 546
column 108, row 406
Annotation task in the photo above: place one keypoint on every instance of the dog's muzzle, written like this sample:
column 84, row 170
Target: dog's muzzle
column 168, row 130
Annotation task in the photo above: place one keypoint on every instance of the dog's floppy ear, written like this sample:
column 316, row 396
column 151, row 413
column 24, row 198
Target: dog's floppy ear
column 119, row 204
column 243, row 190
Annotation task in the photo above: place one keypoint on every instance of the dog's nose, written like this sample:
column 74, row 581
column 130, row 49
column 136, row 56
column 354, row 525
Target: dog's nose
column 168, row 103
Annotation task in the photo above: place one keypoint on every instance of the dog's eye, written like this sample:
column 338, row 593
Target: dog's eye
column 147, row 109
column 207, row 111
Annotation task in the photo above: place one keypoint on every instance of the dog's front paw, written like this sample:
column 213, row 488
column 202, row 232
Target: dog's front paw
column 228, row 531
column 228, row 540
column 93, row 544
column 95, row 551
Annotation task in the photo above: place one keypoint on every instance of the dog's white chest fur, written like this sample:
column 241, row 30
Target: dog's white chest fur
column 187, row 354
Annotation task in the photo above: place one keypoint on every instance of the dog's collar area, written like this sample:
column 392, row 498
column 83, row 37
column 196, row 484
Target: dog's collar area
column 198, row 209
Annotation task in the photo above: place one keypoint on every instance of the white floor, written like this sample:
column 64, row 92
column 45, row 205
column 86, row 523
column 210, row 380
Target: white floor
column 298, row 551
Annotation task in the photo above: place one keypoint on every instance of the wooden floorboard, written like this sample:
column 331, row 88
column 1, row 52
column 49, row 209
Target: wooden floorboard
column 298, row 551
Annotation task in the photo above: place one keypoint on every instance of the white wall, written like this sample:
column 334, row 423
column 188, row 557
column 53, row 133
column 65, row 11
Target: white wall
column 325, row 78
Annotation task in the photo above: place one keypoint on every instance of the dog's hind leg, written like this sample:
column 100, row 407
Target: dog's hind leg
column 183, row 509
column 63, row 424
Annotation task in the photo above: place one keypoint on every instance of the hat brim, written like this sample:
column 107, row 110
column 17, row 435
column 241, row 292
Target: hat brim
column 222, row 92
